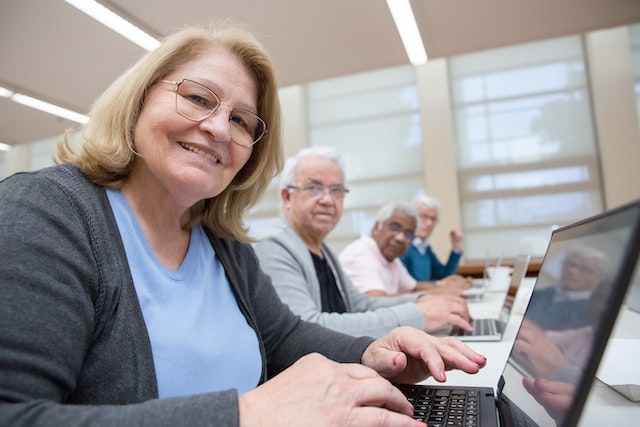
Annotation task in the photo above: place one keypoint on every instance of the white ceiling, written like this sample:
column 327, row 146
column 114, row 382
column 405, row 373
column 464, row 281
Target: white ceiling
column 52, row 51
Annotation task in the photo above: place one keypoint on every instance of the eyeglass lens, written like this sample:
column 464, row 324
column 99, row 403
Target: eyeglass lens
column 197, row 102
column 336, row 191
column 396, row 228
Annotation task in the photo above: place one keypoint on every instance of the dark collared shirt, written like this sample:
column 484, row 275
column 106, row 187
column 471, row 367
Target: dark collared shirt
column 332, row 301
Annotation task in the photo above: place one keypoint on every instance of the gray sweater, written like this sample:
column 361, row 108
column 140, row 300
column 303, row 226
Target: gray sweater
column 74, row 349
column 285, row 257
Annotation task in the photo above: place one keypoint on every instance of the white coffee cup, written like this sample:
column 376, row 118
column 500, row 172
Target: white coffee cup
column 499, row 276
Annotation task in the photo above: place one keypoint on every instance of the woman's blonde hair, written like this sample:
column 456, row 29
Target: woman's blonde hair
column 107, row 152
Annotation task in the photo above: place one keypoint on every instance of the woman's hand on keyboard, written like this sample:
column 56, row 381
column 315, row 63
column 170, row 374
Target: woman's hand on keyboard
column 408, row 355
column 316, row 391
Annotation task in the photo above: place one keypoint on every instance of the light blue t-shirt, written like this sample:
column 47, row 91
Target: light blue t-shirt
column 200, row 339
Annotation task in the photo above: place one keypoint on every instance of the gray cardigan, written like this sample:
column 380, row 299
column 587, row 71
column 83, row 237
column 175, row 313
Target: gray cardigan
column 285, row 257
column 74, row 349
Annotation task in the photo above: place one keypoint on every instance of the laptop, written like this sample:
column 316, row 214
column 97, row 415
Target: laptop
column 492, row 329
column 633, row 298
column 518, row 399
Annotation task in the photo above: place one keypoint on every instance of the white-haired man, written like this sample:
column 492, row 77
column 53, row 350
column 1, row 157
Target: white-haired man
column 307, row 274
column 373, row 261
column 420, row 260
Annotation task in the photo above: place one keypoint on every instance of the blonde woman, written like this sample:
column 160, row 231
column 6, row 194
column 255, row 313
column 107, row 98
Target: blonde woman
column 129, row 294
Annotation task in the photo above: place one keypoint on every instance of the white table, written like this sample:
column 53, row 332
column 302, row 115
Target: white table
column 604, row 405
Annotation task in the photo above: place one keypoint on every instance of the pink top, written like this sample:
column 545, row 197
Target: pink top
column 363, row 262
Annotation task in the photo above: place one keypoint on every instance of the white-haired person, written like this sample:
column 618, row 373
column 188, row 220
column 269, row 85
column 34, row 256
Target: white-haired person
column 306, row 272
column 373, row 264
column 130, row 293
column 420, row 260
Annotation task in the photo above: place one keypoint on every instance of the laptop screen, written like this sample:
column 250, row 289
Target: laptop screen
column 572, row 309
column 633, row 297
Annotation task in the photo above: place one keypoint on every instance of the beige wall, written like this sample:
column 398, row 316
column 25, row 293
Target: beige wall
column 615, row 113
column 17, row 159
column 294, row 119
column 438, row 145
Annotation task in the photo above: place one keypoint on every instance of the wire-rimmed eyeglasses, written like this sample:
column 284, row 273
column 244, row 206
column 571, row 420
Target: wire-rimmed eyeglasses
column 195, row 101
column 336, row 192
column 396, row 228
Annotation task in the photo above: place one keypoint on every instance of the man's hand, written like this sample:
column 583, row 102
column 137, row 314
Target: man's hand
column 544, row 355
column 440, row 310
column 454, row 284
column 555, row 396
column 457, row 240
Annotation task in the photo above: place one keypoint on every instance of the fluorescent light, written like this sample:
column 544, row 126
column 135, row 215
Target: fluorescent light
column 115, row 22
column 408, row 29
column 5, row 93
column 43, row 106
column 49, row 108
column 4, row 147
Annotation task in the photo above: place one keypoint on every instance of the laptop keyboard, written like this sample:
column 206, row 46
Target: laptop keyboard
column 480, row 327
column 443, row 407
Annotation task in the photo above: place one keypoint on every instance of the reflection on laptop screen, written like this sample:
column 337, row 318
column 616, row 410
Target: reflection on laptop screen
column 633, row 298
column 564, row 324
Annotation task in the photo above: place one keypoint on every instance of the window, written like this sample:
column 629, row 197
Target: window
column 373, row 120
column 526, row 150
column 42, row 153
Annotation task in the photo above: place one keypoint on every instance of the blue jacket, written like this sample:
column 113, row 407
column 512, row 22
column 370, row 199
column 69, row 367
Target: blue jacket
column 427, row 267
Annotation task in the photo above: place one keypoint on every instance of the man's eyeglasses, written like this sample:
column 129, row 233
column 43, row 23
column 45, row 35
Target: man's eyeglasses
column 396, row 228
column 196, row 102
column 336, row 192
column 426, row 217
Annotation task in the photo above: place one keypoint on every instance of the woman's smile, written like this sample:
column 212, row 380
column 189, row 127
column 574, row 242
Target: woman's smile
column 200, row 152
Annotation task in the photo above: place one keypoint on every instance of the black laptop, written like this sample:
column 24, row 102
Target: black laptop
column 554, row 359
